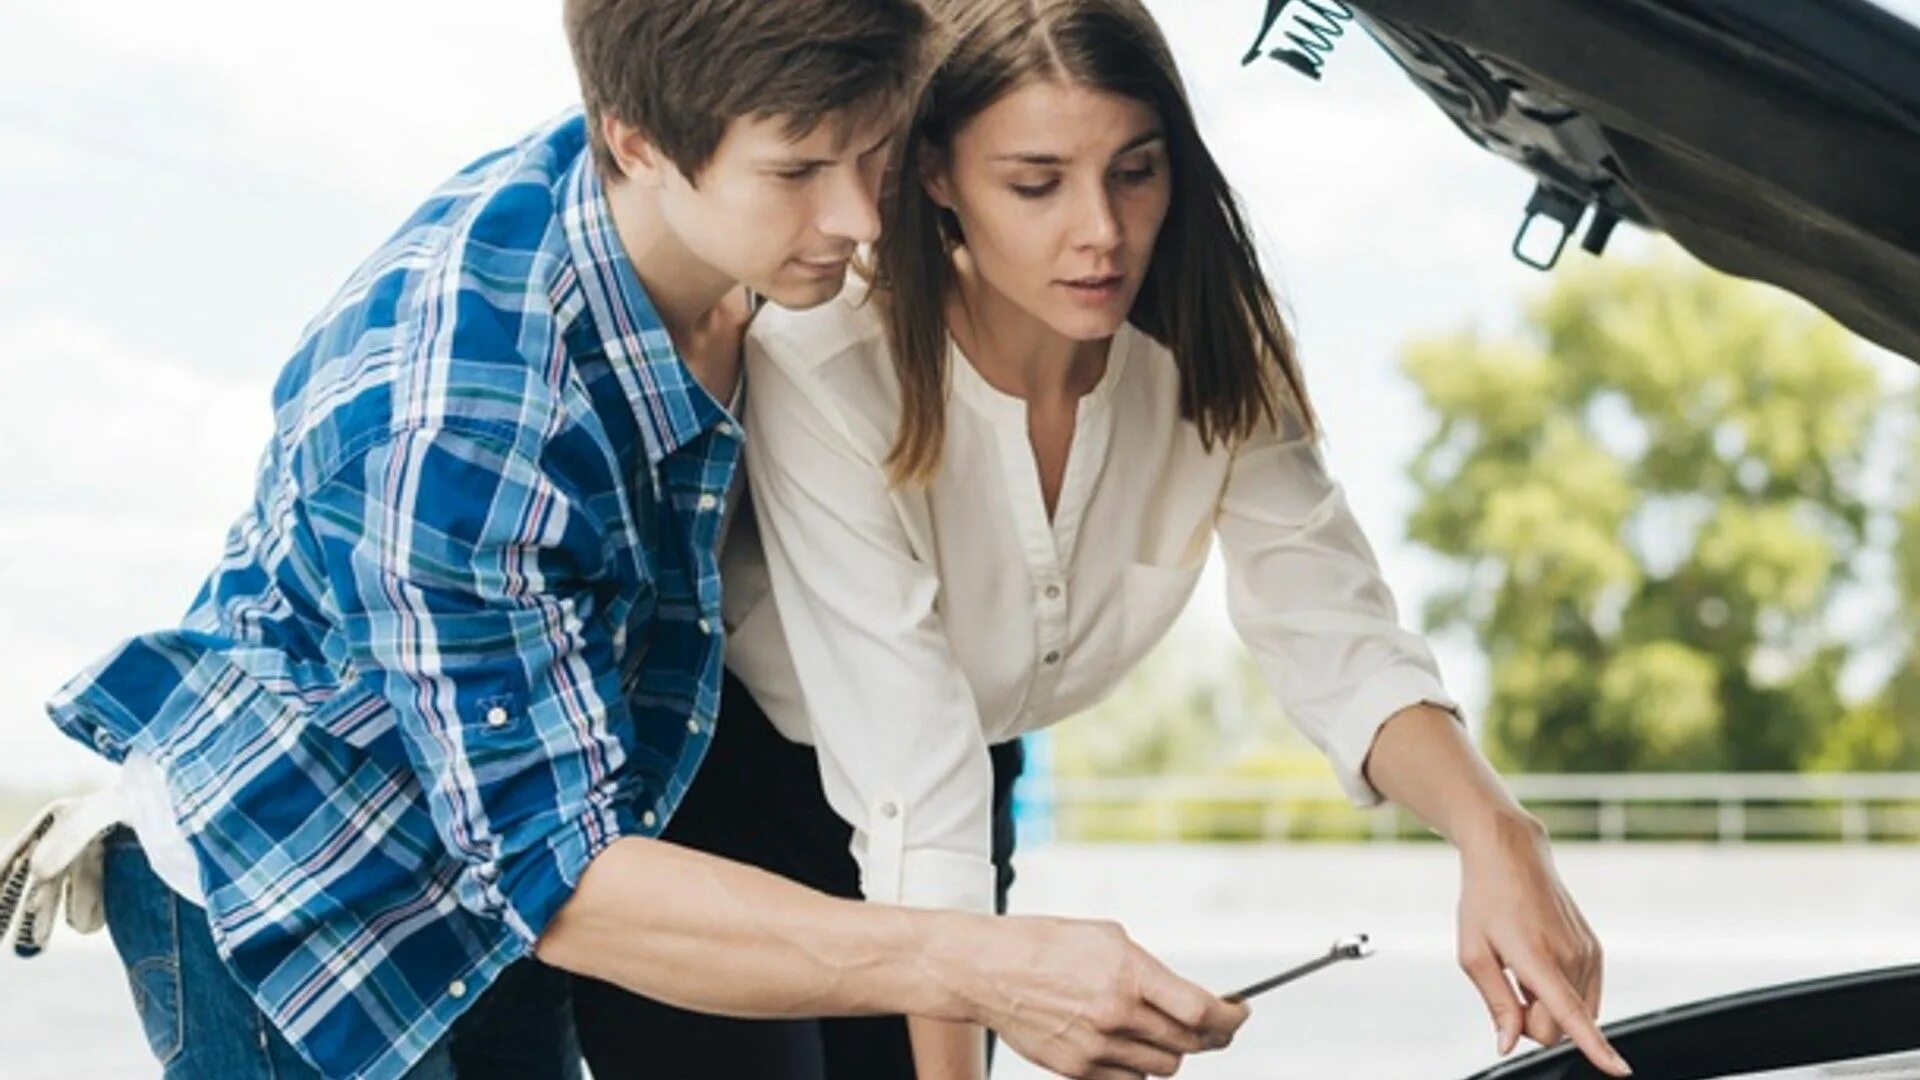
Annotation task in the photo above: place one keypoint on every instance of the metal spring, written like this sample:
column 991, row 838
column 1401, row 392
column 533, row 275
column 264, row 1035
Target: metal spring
column 1312, row 29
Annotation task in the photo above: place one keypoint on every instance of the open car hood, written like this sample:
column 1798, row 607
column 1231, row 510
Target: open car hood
column 1859, row 1025
column 1775, row 139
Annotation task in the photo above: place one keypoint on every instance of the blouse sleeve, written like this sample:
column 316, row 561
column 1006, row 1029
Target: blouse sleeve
column 1306, row 595
column 902, row 755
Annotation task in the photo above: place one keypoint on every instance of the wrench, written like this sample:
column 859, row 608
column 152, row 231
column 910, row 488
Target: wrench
column 1357, row 947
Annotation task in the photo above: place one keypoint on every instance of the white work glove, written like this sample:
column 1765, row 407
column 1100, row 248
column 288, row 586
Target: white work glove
column 59, row 855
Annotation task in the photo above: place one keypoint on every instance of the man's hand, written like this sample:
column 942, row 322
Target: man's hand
column 1082, row 999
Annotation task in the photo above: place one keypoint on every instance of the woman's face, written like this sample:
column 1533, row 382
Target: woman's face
column 1061, row 192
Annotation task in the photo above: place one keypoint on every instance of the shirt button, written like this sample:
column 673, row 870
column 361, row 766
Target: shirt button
column 693, row 725
column 496, row 717
column 648, row 819
column 708, row 502
column 724, row 428
column 104, row 742
column 1051, row 658
column 889, row 810
column 1053, row 592
column 706, row 627
column 457, row 989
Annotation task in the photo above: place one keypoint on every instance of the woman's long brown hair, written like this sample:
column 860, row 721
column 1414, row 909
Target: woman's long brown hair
column 1204, row 296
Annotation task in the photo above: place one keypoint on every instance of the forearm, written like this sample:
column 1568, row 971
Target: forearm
column 715, row 936
column 1423, row 760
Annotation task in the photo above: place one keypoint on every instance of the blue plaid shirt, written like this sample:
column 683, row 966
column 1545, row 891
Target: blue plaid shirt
column 467, row 634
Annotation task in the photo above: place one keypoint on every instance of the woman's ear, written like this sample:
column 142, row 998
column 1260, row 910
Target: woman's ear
column 935, row 178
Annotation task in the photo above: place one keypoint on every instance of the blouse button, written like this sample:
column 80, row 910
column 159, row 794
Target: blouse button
column 457, row 989
column 724, row 428
column 889, row 810
column 1053, row 592
column 708, row 502
column 496, row 717
column 648, row 819
column 1051, row 658
column 706, row 627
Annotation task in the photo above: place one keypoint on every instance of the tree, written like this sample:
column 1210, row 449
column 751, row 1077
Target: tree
column 1884, row 733
column 1652, row 494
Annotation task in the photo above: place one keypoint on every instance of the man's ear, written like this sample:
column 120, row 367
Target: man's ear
column 640, row 161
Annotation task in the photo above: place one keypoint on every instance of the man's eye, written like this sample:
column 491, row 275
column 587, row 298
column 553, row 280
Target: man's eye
column 802, row 173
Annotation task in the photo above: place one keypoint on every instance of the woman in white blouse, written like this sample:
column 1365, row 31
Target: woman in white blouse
column 984, row 491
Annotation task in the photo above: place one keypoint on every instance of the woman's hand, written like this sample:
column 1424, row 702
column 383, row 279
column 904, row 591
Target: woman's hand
column 1517, row 919
column 1082, row 999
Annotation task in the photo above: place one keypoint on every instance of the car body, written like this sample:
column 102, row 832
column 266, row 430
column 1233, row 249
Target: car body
column 1774, row 139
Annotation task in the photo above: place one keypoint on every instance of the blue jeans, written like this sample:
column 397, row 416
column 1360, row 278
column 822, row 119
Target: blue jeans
column 201, row 1025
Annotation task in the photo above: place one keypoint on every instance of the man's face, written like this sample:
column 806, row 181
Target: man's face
column 781, row 215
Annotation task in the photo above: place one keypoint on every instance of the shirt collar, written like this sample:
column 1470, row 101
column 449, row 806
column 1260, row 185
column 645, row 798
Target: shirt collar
column 671, row 406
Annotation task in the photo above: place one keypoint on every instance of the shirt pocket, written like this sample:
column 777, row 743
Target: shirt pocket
column 1151, row 598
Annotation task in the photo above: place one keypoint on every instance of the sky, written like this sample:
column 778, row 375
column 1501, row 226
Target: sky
column 186, row 183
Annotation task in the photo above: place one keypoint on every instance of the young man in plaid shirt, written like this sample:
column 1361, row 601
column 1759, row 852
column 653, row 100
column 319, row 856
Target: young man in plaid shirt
column 418, row 733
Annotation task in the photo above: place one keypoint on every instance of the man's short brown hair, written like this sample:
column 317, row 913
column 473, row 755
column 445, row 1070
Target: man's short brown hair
column 682, row 70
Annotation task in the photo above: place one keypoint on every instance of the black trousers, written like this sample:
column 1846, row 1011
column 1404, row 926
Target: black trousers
column 758, row 799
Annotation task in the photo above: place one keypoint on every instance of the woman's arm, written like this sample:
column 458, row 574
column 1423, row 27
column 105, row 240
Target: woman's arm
column 1515, row 915
column 894, row 720
column 1308, row 598
column 893, row 717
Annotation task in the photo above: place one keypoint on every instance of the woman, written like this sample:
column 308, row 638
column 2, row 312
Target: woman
column 985, row 489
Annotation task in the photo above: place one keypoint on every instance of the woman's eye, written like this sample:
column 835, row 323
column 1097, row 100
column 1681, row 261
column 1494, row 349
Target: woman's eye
column 1035, row 191
column 1140, row 175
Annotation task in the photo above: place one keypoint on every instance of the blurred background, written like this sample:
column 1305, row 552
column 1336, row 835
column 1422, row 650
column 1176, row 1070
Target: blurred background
column 1663, row 526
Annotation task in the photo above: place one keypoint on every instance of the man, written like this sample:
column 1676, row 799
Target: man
column 463, row 653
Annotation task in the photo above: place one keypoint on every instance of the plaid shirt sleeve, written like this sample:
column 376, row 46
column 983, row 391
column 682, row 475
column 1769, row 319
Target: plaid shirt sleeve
column 462, row 567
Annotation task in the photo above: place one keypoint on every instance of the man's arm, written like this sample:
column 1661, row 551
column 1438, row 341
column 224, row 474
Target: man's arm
column 703, row 933
column 715, row 936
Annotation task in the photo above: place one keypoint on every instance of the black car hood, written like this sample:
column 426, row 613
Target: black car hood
column 1775, row 139
column 1856, row 1025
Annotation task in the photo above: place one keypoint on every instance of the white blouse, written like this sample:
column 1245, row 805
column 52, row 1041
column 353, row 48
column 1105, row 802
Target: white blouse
column 901, row 630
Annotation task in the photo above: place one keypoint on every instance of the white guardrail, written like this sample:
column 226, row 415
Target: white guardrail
column 1729, row 807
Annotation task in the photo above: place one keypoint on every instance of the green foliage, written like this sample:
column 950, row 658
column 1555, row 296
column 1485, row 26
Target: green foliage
column 1653, row 495
column 1885, row 734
